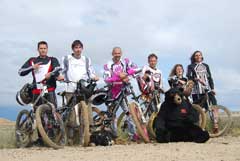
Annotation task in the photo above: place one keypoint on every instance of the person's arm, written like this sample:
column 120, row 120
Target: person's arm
column 108, row 76
column 131, row 67
column 26, row 68
column 191, row 74
column 182, row 81
column 210, row 79
column 65, row 67
column 145, row 74
column 55, row 64
column 92, row 72
column 170, row 82
column 161, row 83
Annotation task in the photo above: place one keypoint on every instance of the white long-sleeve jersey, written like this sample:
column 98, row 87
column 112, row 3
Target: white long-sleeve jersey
column 75, row 69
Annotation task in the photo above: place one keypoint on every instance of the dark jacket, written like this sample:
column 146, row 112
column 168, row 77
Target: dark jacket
column 191, row 74
column 173, row 82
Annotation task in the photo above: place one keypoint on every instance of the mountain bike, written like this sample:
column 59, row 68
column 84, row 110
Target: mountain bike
column 107, row 119
column 42, row 117
column 218, row 116
column 76, row 112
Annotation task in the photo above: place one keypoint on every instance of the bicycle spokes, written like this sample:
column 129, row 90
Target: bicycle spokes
column 218, row 120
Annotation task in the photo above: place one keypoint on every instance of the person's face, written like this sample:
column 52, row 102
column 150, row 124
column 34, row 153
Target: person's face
column 198, row 57
column 117, row 53
column 43, row 49
column 77, row 50
column 179, row 71
column 152, row 62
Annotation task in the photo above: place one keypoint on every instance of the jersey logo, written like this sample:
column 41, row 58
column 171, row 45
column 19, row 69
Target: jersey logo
column 183, row 111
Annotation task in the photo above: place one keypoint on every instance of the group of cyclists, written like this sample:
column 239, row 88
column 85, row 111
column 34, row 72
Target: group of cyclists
column 77, row 66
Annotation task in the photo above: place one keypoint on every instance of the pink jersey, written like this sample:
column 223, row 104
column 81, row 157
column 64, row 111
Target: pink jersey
column 112, row 72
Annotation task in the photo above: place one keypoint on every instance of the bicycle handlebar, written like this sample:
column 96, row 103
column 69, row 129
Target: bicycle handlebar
column 82, row 80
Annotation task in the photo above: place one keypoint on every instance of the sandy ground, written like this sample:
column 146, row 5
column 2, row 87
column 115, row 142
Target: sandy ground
column 220, row 149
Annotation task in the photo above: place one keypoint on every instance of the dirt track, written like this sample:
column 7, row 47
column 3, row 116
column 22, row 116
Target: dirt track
column 220, row 149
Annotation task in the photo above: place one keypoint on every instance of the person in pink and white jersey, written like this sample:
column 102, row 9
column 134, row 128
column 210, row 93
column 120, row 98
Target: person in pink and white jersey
column 116, row 72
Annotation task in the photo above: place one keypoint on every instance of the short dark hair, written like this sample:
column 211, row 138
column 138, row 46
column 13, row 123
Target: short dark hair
column 151, row 56
column 76, row 43
column 42, row 43
column 193, row 56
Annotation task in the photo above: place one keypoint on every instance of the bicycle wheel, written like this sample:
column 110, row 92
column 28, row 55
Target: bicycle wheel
column 120, row 119
column 122, row 133
column 23, row 129
column 141, row 127
column 202, row 116
column 84, row 124
column 97, row 118
column 96, row 113
column 150, row 125
column 223, row 119
column 51, row 130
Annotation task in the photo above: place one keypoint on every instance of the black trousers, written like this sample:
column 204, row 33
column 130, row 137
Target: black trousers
column 198, row 98
column 50, row 96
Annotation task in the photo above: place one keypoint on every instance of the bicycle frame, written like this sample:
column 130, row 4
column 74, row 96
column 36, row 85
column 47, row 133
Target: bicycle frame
column 151, row 106
column 77, row 94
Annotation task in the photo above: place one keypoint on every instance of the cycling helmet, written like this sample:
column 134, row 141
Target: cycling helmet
column 25, row 96
column 99, row 98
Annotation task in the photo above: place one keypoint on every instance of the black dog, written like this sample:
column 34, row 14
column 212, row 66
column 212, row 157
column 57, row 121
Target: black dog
column 176, row 120
column 102, row 137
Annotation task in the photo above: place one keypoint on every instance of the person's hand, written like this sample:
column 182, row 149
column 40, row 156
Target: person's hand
column 145, row 76
column 37, row 65
column 123, row 75
column 47, row 76
column 126, row 79
column 182, row 82
column 60, row 78
column 201, row 81
column 96, row 78
column 213, row 92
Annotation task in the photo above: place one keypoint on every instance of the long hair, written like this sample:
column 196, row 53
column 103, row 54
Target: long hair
column 193, row 56
column 173, row 71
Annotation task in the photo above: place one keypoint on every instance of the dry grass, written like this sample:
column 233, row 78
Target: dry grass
column 7, row 134
column 235, row 130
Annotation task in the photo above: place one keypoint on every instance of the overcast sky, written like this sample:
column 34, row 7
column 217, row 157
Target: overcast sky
column 171, row 29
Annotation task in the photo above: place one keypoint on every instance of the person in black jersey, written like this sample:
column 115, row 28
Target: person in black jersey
column 40, row 67
column 200, row 73
column 176, row 78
